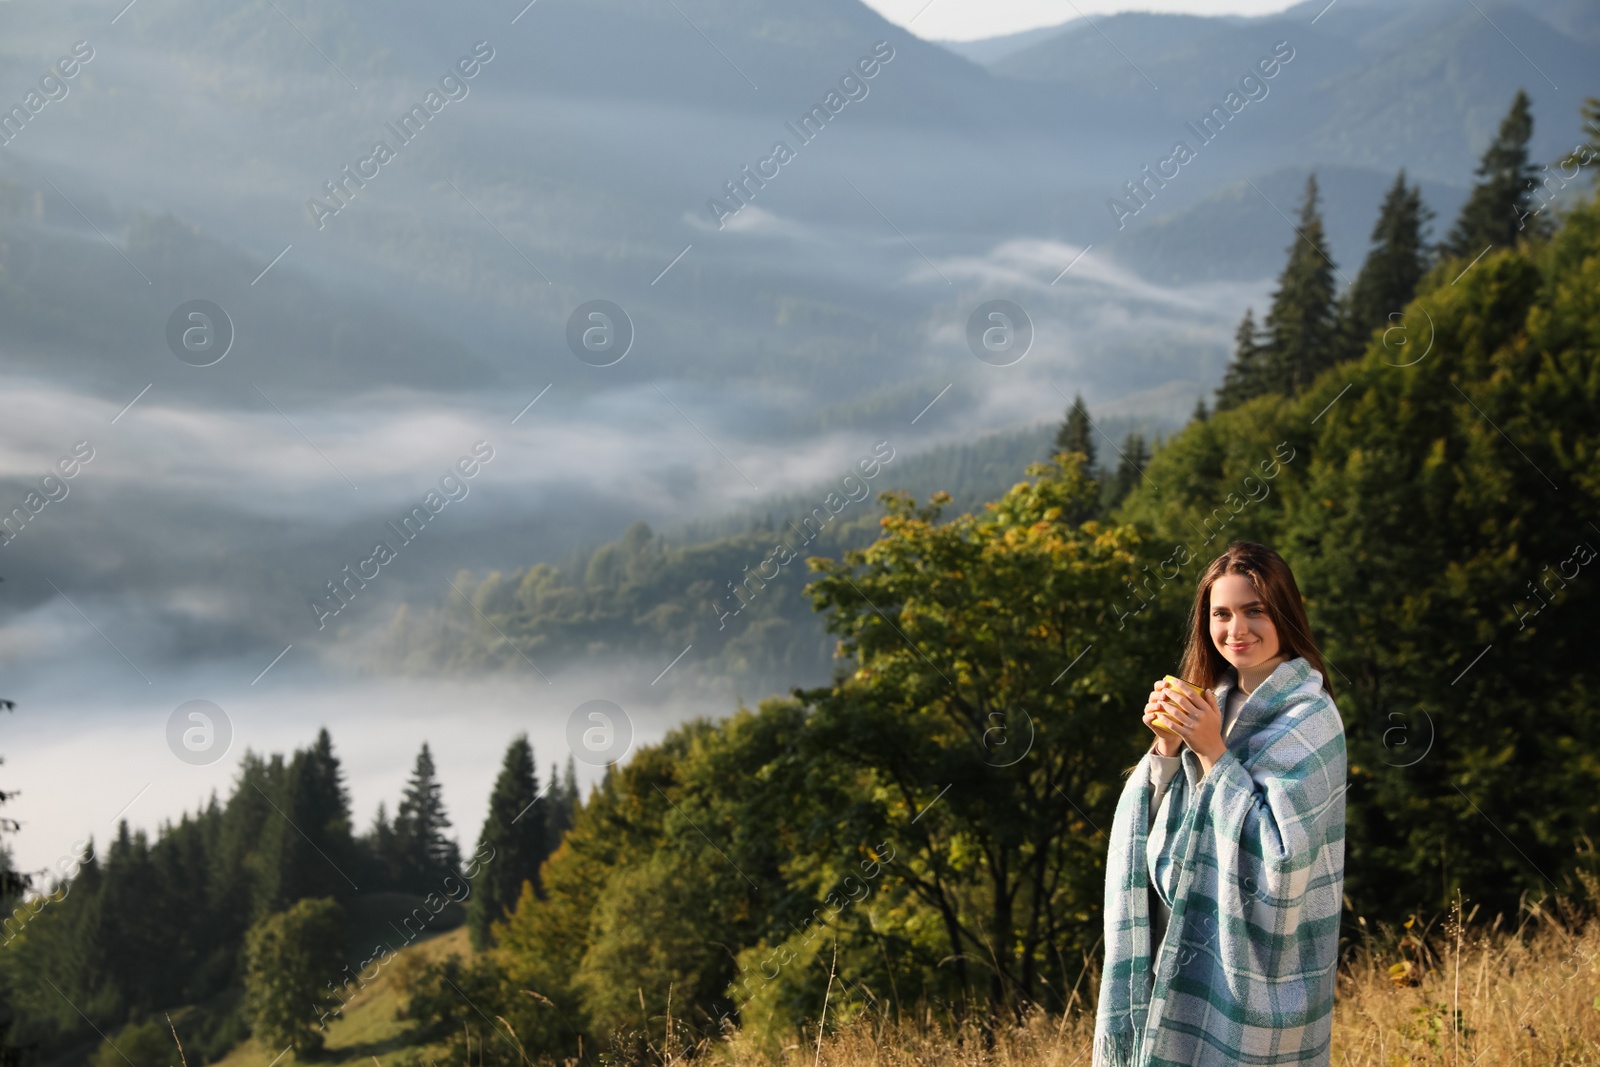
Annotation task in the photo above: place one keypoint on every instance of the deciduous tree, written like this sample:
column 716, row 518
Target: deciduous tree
column 291, row 957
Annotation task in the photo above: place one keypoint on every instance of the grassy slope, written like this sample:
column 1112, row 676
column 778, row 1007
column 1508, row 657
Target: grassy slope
column 368, row 1028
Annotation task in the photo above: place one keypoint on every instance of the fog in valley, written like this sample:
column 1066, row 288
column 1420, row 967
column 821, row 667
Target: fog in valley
column 411, row 332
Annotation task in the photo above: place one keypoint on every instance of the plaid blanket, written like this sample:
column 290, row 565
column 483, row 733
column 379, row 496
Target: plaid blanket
column 1250, row 858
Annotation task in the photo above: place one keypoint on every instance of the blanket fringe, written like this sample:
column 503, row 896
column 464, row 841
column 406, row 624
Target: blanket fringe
column 1117, row 1049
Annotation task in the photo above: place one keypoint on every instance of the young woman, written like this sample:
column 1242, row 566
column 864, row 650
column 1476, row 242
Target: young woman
column 1225, row 875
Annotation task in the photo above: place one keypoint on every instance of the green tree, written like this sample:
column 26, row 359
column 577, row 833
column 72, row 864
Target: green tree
column 13, row 883
column 128, row 944
column 306, row 845
column 1302, row 333
column 1395, row 263
column 514, row 831
column 144, row 925
column 236, row 854
column 1246, row 376
column 973, row 682
column 1444, row 516
column 694, row 849
column 420, row 824
column 1434, row 513
column 384, row 864
column 653, row 933
column 561, row 803
column 1076, row 434
column 1589, row 111
column 471, row 1007
column 143, row 1044
column 1130, row 468
column 291, row 957
column 1500, row 208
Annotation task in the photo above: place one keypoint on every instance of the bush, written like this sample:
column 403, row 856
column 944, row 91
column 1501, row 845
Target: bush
column 144, row 1044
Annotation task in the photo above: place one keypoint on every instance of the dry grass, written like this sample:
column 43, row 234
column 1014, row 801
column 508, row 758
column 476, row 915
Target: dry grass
column 1461, row 995
column 1458, row 994
column 1474, row 995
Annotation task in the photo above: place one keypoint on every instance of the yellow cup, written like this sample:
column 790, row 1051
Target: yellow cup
column 1173, row 680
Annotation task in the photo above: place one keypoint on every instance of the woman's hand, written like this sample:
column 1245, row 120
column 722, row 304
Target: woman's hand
column 1166, row 743
column 1198, row 721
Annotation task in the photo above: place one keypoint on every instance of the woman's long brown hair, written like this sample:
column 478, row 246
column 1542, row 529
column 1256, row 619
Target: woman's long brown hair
column 1203, row 664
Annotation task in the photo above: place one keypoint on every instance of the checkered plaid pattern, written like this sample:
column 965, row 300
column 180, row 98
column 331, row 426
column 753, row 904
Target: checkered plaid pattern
column 1251, row 860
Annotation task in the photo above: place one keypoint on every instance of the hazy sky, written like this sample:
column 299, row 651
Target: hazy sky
column 968, row 20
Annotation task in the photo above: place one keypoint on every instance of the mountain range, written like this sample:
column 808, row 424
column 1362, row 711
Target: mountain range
column 579, row 164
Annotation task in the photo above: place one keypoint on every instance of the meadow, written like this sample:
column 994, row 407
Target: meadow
column 1460, row 990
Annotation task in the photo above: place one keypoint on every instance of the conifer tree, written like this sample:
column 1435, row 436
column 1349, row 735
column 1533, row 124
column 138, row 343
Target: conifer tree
column 385, row 866
column 1200, row 414
column 1580, row 160
column 326, row 806
column 306, row 848
column 285, row 857
column 1500, row 207
column 12, row 882
column 1395, row 263
column 1247, row 374
column 515, row 831
column 324, row 784
column 1135, row 457
column 420, row 824
column 1590, row 112
column 1301, row 330
column 239, row 837
column 561, row 803
column 1076, row 433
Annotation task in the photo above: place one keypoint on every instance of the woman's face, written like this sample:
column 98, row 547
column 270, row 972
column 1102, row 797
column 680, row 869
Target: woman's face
column 1240, row 626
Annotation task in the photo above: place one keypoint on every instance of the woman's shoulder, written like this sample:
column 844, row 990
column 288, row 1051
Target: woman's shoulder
column 1296, row 681
column 1300, row 711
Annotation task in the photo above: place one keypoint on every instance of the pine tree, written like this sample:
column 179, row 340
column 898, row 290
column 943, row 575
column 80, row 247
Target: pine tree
column 420, row 824
column 384, row 865
column 1302, row 335
column 515, row 831
column 1500, row 207
column 1135, row 457
column 235, row 856
column 1200, row 413
column 281, row 859
column 324, row 784
column 13, row 883
column 1395, row 263
column 306, row 850
column 1590, row 113
column 326, row 807
column 1246, row 375
column 561, row 803
column 1076, row 434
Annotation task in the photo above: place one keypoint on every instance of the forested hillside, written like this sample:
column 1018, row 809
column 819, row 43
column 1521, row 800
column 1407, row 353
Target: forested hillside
column 923, row 833
column 648, row 594
column 140, row 926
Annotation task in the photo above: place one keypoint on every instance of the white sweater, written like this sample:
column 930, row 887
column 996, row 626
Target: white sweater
column 1162, row 771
